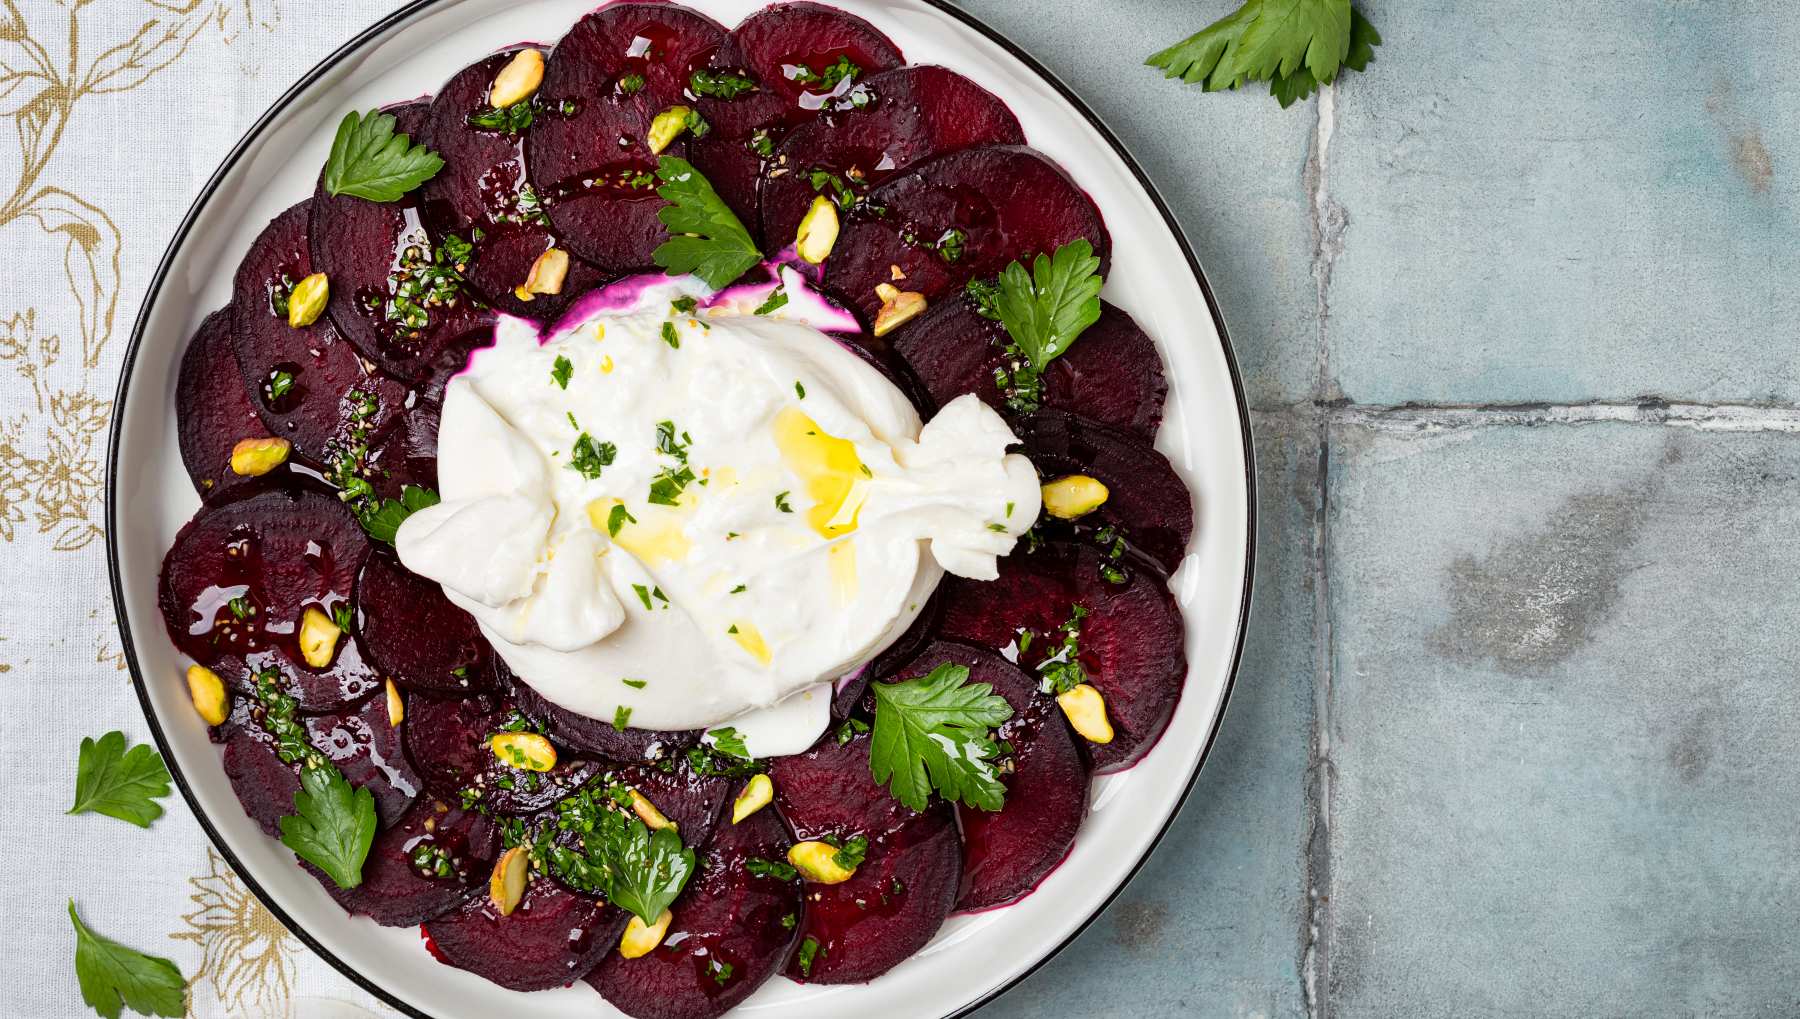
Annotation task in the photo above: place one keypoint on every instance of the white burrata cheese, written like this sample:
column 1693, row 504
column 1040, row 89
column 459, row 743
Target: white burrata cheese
column 697, row 519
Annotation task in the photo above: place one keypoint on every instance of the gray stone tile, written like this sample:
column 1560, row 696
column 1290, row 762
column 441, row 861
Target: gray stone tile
column 1213, row 925
column 1231, row 166
column 1562, row 722
column 1595, row 205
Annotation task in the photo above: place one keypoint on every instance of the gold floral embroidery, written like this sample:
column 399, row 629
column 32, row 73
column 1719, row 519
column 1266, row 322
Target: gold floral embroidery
column 247, row 957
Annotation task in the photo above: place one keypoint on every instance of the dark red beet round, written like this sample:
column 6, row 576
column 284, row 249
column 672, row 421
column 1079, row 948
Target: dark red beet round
column 1112, row 375
column 593, row 736
column 915, row 114
column 213, row 410
column 829, row 791
column 447, row 741
column 1147, row 502
column 696, row 803
column 397, row 892
column 416, row 637
column 590, row 164
column 268, row 555
column 1006, row 853
column 550, row 940
column 361, row 744
column 480, row 191
column 889, row 909
column 726, row 917
column 1002, row 202
column 327, row 397
column 359, row 244
column 1132, row 643
column 770, row 47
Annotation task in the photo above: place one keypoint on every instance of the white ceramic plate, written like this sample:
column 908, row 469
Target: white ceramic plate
column 1154, row 277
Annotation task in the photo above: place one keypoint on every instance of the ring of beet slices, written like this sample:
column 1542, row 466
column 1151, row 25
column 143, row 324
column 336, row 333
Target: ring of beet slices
column 1007, row 852
column 551, row 939
column 726, row 917
column 960, row 216
column 401, row 883
column 1132, row 642
column 481, row 196
column 587, row 154
column 361, row 744
column 371, row 251
column 308, row 385
column 416, row 637
column 447, row 741
column 593, row 736
column 1147, row 502
column 913, row 114
column 1112, row 375
column 213, row 411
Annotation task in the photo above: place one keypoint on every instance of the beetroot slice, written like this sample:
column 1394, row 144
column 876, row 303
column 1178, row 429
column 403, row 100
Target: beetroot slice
column 1112, row 375
column 591, row 164
column 447, row 741
column 1147, row 502
column 593, row 736
column 999, row 203
column 213, row 411
column 416, row 637
column 367, row 249
column 277, row 552
column 1006, row 853
column 696, row 803
column 770, row 47
column 888, row 910
column 396, row 891
column 1132, row 644
column 550, row 940
column 726, row 917
column 361, row 744
column 478, row 196
column 308, row 385
column 828, row 791
column 915, row 114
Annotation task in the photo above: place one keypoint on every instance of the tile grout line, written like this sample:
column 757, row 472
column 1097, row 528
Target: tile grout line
column 1426, row 419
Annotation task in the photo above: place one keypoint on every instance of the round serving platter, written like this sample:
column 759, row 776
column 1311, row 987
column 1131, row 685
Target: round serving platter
column 1154, row 276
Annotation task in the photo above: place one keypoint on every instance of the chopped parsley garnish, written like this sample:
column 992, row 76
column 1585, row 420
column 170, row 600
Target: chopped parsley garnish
column 1044, row 311
column 635, row 684
column 369, row 159
column 931, row 734
column 827, row 79
column 1294, row 46
column 528, row 208
column 706, row 237
column 666, row 488
column 719, row 971
column 740, row 589
column 507, row 120
column 759, row 867
column 239, row 606
column 809, row 951
column 643, row 594
column 668, row 445
column 621, row 718
column 851, row 728
column 998, row 528
column 560, row 374
column 615, row 856
column 632, row 84
column 732, row 628
column 720, row 84
column 340, row 614
column 1061, row 669
column 850, row 852
column 799, row 390
column 778, row 300
column 840, row 192
column 761, row 142
column 280, row 383
column 616, row 518
column 729, row 742
column 949, row 247
column 425, row 278
column 588, row 458
column 781, row 502
column 985, row 296
column 669, row 337
column 684, row 305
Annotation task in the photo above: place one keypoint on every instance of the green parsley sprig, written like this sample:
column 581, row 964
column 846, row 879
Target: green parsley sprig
column 1294, row 45
column 1044, row 311
column 114, row 978
column 121, row 783
column 706, row 237
column 382, row 521
column 369, row 159
column 932, row 735
column 333, row 823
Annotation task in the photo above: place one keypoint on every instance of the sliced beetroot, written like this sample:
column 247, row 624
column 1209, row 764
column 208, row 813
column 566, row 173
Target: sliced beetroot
column 1006, row 853
column 889, row 909
column 447, row 741
column 593, row 736
column 1148, row 504
column 586, row 154
column 1132, row 642
column 361, row 744
column 957, row 217
column 416, row 637
column 308, row 385
column 396, row 292
column 772, row 47
column 244, row 569
column 912, row 114
column 828, row 791
column 481, row 196
column 1112, row 375
column 428, row 862
column 696, row 803
column 213, row 410
column 732, row 930
column 551, row 939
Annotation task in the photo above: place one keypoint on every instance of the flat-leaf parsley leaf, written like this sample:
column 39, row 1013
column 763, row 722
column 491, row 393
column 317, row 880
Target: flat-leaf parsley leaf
column 706, row 237
column 932, row 735
column 332, row 825
column 113, row 977
column 369, row 159
column 1044, row 310
column 121, row 783
column 1294, row 45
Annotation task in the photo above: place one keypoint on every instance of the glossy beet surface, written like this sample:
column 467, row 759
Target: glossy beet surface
column 593, row 736
column 1006, row 853
column 828, row 791
column 957, row 217
column 732, row 930
column 432, row 859
column 213, row 411
column 309, row 385
column 912, row 115
column 550, row 940
column 1112, row 375
column 448, row 741
column 361, row 744
column 1132, row 644
column 416, row 637
column 482, row 196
